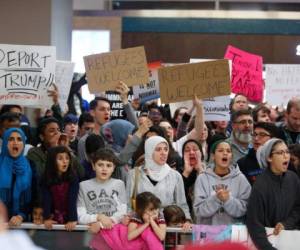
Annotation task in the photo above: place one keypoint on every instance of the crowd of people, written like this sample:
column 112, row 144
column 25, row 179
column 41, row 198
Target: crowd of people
column 130, row 178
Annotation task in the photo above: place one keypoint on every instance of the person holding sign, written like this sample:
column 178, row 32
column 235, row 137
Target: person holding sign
column 100, row 108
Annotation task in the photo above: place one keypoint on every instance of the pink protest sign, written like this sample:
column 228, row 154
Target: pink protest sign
column 246, row 73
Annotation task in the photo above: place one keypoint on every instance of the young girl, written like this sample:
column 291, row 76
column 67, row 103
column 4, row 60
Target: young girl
column 147, row 220
column 60, row 189
column 222, row 191
column 145, row 231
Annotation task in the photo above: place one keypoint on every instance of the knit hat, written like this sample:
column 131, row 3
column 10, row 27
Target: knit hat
column 264, row 152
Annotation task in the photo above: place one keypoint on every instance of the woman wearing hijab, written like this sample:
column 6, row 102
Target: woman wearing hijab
column 157, row 177
column 15, row 176
column 222, row 191
column 275, row 196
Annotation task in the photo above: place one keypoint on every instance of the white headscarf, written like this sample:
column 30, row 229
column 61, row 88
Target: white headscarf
column 156, row 172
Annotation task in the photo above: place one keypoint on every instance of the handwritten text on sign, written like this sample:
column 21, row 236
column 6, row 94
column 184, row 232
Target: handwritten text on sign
column 246, row 73
column 282, row 83
column 26, row 73
column 105, row 70
column 182, row 82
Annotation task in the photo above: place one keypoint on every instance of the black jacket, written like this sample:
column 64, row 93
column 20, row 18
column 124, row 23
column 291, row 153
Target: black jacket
column 249, row 166
column 273, row 199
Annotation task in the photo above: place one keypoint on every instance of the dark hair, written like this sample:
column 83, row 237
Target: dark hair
column 9, row 116
column 85, row 117
column 143, row 200
column 7, row 108
column 93, row 143
column 197, row 143
column 51, row 176
column 260, row 107
column 235, row 115
column 233, row 100
column 105, row 154
column 174, row 215
column 270, row 127
column 216, row 144
column 94, row 103
column 44, row 122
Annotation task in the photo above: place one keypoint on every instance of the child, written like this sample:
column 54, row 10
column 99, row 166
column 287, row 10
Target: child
column 146, row 220
column 145, row 231
column 102, row 200
column 174, row 217
column 60, row 189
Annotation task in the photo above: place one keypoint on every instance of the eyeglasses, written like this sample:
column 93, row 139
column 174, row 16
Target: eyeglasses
column 261, row 134
column 244, row 122
column 282, row 152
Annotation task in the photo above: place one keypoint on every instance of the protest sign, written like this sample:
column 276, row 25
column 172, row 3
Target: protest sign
column 215, row 108
column 117, row 107
column 149, row 91
column 26, row 74
column 246, row 73
column 282, row 83
column 182, row 82
column 63, row 81
column 105, row 70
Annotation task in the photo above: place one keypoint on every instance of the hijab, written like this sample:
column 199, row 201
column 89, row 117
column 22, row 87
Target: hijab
column 116, row 133
column 156, row 172
column 19, row 167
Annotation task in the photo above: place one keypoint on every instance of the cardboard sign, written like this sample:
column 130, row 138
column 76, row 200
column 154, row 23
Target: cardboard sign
column 105, row 70
column 215, row 108
column 63, row 80
column 149, row 91
column 246, row 73
column 182, row 82
column 26, row 74
column 282, row 83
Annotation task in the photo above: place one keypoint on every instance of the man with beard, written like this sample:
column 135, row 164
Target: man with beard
column 241, row 136
column 290, row 130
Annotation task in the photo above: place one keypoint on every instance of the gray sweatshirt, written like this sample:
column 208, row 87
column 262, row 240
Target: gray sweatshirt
column 169, row 190
column 212, row 211
column 97, row 197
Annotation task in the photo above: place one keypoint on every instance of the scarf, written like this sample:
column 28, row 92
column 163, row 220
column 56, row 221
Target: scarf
column 19, row 166
column 116, row 133
column 156, row 172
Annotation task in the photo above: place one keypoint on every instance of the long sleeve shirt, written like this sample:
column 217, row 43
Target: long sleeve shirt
column 95, row 197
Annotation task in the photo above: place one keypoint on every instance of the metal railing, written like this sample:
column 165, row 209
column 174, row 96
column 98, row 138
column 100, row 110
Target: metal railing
column 59, row 239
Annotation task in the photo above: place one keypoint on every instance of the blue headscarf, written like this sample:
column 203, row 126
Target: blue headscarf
column 116, row 133
column 18, row 166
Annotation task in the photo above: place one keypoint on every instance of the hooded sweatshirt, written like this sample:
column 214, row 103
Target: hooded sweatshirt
column 209, row 209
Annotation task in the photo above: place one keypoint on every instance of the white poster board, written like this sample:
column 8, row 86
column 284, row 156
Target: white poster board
column 150, row 90
column 282, row 83
column 26, row 74
column 215, row 109
column 63, row 80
